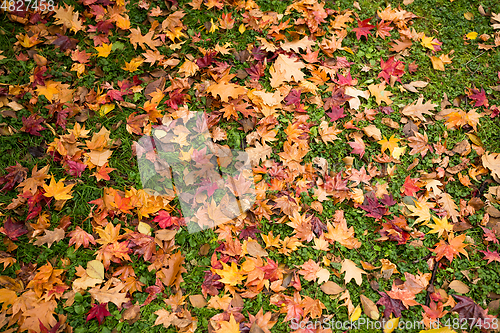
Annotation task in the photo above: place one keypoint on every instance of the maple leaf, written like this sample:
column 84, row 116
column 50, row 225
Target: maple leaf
column 454, row 246
column 410, row 186
column 230, row 326
column 383, row 29
column 468, row 310
column 226, row 89
column 263, row 321
column 15, row 174
column 400, row 45
column 342, row 234
column 103, row 172
column 312, row 271
column 373, row 207
column 58, row 190
column 80, row 237
column 358, row 146
column 390, row 144
column 439, row 62
column 32, row 124
column 230, row 275
column 391, row 68
column 104, row 50
column 380, row 94
column 417, row 109
column 50, row 90
column 479, row 97
column 65, row 16
column 296, row 45
column 336, row 113
column 98, row 311
column 134, row 123
column 392, row 306
column 133, row 64
column 420, row 210
column 491, row 256
column 449, row 206
column 363, row 28
column 352, row 272
column 419, row 144
column 440, row 226
column 13, row 229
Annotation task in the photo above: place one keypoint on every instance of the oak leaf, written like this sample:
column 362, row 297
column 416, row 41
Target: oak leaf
column 417, row 109
column 50, row 237
column 381, row 95
column 352, row 272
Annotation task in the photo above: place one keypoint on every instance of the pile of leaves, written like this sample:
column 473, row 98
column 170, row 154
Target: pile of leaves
column 376, row 180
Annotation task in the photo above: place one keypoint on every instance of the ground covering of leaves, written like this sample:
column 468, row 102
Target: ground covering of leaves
column 372, row 130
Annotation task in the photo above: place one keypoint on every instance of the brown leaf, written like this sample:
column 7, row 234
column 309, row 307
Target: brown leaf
column 331, row 288
column 50, row 237
column 459, row 287
column 369, row 307
column 198, row 301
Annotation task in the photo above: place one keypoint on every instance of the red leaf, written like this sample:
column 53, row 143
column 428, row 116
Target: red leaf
column 394, row 306
column 410, row 186
column 491, row 255
column 99, row 312
column 164, row 219
column 74, row 168
column 16, row 174
column 363, row 28
column 391, row 67
column 479, row 97
column 336, row 113
column 32, row 125
column 467, row 310
column 13, row 229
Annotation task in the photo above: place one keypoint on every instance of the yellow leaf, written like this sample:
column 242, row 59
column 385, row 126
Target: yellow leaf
column 471, row 35
column 390, row 144
column 95, row 269
column 78, row 68
column 380, row 94
column 144, row 228
column 105, row 109
column 230, row 326
column 428, row 42
column 391, row 325
column 230, row 274
column 104, row 50
column 57, row 190
column 356, row 314
column 468, row 16
column 188, row 68
column 213, row 26
column 49, row 90
column 440, row 226
column 242, row 28
column 133, row 64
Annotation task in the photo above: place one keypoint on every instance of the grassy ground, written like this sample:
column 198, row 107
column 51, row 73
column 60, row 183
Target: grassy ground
column 472, row 67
